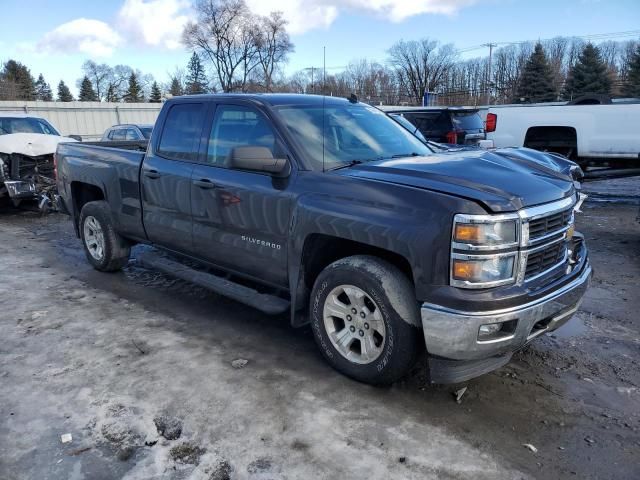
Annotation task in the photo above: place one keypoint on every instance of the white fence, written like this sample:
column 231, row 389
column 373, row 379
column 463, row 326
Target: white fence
column 87, row 119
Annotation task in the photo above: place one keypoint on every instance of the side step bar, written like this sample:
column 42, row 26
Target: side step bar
column 269, row 304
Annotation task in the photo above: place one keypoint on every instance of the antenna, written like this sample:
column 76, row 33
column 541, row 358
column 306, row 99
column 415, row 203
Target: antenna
column 324, row 71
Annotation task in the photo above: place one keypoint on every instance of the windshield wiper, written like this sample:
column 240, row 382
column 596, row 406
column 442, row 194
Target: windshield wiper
column 403, row 155
column 350, row 163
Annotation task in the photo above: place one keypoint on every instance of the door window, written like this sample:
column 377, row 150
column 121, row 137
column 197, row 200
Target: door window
column 181, row 132
column 117, row 134
column 237, row 126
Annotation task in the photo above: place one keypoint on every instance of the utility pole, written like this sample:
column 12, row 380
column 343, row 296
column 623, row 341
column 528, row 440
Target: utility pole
column 490, row 45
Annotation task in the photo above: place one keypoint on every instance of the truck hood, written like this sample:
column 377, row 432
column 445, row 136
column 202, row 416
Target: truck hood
column 500, row 182
column 31, row 144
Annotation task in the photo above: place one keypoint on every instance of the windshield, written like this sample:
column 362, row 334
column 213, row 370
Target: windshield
column 352, row 133
column 467, row 121
column 146, row 132
column 408, row 125
column 9, row 125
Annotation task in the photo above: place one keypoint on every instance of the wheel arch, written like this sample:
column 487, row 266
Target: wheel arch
column 555, row 138
column 81, row 194
column 320, row 250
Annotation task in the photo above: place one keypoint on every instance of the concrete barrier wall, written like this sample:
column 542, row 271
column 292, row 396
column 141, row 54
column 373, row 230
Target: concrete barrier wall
column 87, row 119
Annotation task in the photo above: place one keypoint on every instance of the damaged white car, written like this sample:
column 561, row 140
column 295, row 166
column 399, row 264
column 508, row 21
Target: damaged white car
column 27, row 146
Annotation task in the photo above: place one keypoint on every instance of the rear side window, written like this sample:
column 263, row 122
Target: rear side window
column 430, row 123
column 181, row 132
column 131, row 134
column 467, row 120
column 117, row 134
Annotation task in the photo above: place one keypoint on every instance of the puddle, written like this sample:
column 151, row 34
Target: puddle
column 573, row 328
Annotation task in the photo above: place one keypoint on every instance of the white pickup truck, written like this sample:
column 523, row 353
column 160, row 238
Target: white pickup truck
column 591, row 135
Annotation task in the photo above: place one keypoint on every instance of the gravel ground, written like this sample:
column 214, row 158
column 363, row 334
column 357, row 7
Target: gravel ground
column 143, row 372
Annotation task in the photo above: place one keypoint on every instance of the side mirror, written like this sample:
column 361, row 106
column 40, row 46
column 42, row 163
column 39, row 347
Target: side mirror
column 75, row 137
column 258, row 159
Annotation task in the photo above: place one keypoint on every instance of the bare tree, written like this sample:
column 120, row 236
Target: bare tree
column 273, row 45
column 224, row 34
column 99, row 75
column 421, row 65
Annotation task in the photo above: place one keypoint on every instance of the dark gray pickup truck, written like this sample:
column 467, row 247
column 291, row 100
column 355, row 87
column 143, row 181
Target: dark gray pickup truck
column 327, row 209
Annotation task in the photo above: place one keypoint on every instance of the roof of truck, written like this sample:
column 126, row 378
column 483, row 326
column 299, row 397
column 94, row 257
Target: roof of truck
column 274, row 99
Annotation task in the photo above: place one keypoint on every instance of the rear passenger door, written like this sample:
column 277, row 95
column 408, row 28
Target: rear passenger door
column 241, row 218
column 166, row 176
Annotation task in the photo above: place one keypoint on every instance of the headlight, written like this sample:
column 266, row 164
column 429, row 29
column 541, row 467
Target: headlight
column 484, row 250
column 480, row 234
column 482, row 271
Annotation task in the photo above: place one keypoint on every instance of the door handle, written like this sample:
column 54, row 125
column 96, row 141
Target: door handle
column 204, row 183
column 151, row 174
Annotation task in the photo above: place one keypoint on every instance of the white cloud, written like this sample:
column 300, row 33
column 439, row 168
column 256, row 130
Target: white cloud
column 83, row 35
column 305, row 15
column 156, row 23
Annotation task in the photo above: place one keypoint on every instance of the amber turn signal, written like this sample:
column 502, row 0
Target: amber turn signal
column 467, row 233
column 466, row 270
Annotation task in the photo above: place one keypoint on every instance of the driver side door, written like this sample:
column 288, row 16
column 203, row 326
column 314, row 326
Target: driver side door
column 241, row 218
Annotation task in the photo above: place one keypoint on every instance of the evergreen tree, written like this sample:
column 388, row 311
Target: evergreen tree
column 156, row 94
column 134, row 92
column 19, row 75
column 632, row 86
column 588, row 75
column 112, row 94
column 175, row 89
column 87, row 93
column 536, row 80
column 43, row 90
column 196, row 79
column 64, row 94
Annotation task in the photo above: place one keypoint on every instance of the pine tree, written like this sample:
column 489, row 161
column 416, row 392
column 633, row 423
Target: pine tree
column 156, row 94
column 134, row 91
column 536, row 80
column 588, row 75
column 112, row 94
column 19, row 75
column 196, row 79
column 87, row 93
column 175, row 89
column 43, row 90
column 64, row 94
column 632, row 85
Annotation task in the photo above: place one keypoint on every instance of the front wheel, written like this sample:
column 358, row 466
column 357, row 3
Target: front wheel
column 104, row 248
column 365, row 319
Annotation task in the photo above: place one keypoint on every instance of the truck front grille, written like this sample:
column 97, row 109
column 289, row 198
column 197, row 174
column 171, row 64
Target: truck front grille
column 545, row 259
column 556, row 222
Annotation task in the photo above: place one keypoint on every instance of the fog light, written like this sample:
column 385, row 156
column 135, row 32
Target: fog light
column 489, row 329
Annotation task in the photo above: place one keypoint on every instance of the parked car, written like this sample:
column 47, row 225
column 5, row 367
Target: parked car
column 128, row 132
column 27, row 145
column 551, row 160
column 329, row 210
column 452, row 125
column 591, row 135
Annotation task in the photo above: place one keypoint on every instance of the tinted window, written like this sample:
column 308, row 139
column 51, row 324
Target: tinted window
column 431, row 124
column 181, row 132
column 146, row 132
column 236, row 126
column 467, row 121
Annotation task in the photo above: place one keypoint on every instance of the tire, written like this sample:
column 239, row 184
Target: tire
column 381, row 340
column 104, row 248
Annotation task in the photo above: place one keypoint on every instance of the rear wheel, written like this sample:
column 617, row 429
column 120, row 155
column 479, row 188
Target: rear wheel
column 365, row 319
column 104, row 248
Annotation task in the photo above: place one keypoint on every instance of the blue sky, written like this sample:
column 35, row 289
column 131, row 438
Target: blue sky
column 145, row 33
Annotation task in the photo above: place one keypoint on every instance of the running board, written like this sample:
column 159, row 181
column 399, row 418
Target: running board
column 266, row 303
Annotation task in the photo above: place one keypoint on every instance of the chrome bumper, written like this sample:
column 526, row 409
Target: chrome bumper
column 453, row 334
